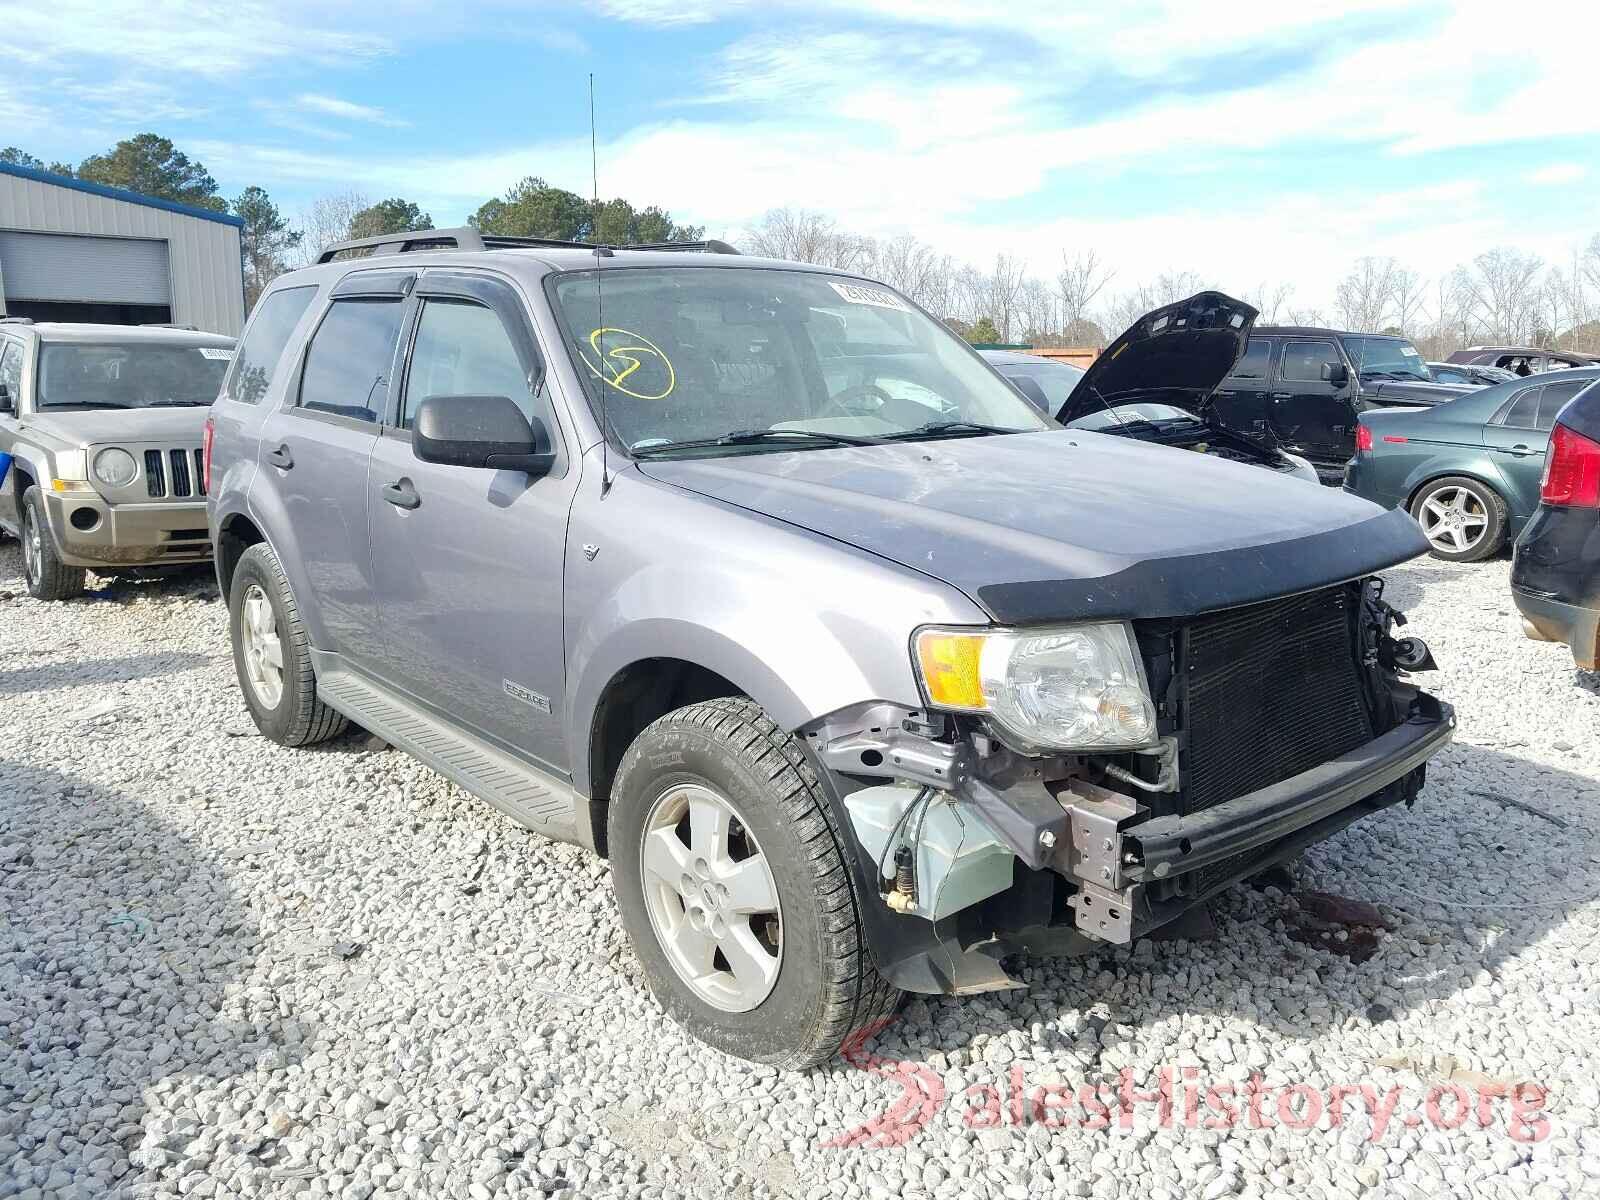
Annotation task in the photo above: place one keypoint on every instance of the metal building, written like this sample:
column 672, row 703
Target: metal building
column 77, row 251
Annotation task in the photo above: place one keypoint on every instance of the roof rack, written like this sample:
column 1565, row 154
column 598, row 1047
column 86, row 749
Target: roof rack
column 16, row 320
column 467, row 238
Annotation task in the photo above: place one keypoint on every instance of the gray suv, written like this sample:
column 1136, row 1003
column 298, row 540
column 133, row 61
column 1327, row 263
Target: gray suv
column 103, row 424
column 754, row 578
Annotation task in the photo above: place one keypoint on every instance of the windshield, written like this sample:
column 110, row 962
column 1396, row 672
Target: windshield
column 777, row 359
column 1123, row 414
column 1053, row 382
column 129, row 374
column 1390, row 356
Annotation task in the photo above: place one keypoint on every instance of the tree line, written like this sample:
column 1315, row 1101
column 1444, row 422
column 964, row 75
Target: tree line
column 272, row 241
column 1501, row 296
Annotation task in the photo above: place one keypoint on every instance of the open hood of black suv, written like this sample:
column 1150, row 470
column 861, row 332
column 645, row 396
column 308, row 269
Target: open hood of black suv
column 1176, row 355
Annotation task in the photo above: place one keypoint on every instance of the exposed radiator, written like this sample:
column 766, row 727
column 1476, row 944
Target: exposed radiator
column 1271, row 690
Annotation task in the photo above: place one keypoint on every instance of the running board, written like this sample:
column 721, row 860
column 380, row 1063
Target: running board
column 525, row 794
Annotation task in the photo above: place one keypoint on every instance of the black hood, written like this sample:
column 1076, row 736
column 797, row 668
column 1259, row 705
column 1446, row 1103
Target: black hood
column 1414, row 391
column 1174, row 355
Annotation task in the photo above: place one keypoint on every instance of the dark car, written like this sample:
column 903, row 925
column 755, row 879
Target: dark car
column 1154, row 381
column 1470, row 374
column 1468, row 470
column 1555, row 573
column 1300, row 389
column 1522, row 360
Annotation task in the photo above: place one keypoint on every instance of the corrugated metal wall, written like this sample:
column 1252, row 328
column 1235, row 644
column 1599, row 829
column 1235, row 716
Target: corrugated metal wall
column 207, row 277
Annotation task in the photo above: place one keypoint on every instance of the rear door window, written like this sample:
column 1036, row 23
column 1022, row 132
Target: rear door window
column 350, row 358
column 1302, row 361
column 1522, row 410
column 257, row 360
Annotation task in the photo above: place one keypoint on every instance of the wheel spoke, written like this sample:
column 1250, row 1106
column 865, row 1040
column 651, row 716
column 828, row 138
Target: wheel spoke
column 750, row 887
column 1456, row 539
column 754, row 969
column 695, row 948
column 708, row 829
column 1434, row 509
column 1475, row 519
column 666, row 857
column 272, row 652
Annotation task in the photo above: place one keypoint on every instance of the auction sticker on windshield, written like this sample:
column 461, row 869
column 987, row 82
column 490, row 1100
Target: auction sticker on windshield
column 216, row 353
column 860, row 294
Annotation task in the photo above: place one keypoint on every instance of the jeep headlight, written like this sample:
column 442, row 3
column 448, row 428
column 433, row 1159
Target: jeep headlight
column 115, row 468
column 1073, row 687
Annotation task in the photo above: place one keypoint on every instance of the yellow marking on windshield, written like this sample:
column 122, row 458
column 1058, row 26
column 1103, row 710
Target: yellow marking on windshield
column 630, row 355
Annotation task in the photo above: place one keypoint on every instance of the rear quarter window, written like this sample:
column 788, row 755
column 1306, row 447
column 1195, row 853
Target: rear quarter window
column 256, row 362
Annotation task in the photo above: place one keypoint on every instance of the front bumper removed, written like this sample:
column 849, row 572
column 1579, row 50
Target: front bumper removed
column 1093, row 866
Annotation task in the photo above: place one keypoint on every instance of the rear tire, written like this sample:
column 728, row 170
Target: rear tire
column 1463, row 520
column 730, row 757
column 270, row 647
column 48, row 578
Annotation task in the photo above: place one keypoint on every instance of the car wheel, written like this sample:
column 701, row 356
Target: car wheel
column 48, row 578
column 734, row 890
column 1463, row 520
column 272, row 654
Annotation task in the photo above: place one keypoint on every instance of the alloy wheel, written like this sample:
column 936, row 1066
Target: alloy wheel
column 32, row 547
column 263, row 648
column 1453, row 519
column 712, row 898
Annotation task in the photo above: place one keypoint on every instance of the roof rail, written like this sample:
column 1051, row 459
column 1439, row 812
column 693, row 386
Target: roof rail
column 467, row 238
column 16, row 320
column 168, row 325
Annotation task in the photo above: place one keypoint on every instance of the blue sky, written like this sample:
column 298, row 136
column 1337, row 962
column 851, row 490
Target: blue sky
column 1254, row 143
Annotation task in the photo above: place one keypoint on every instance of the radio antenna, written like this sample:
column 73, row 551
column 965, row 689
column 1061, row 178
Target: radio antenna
column 599, row 302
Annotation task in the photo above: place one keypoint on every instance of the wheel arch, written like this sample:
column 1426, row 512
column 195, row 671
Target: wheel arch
column 1432, row 473
column 236, row 533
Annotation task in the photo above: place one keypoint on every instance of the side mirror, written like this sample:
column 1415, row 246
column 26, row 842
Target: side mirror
column 1335, row 373
column 480, row 431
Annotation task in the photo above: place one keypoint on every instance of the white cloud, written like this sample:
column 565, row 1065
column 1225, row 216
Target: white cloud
column 1562, row 172
column 346, row 110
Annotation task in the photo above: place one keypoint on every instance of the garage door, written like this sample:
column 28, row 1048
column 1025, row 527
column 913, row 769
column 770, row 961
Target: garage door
column 62, row 267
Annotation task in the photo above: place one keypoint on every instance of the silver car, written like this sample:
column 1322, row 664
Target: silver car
column 754, row 578
column 102, row 426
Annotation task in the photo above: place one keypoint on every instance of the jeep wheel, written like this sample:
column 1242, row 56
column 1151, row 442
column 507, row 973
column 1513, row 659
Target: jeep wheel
column 272, row 656
column 1463, row 520
column 734, row 889
column 48, row 578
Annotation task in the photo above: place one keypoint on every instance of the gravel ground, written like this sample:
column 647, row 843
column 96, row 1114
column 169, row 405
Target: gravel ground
column 228, row 969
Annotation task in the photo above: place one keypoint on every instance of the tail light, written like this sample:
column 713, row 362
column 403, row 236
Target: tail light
column 205, row 455
column 1363, row 438
column 1571, row 470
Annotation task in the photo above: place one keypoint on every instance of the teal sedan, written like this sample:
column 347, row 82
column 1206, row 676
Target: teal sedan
column 1467, row 470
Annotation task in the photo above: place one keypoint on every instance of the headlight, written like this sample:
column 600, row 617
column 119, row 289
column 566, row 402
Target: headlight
column 115, row 468
column 1076, row 687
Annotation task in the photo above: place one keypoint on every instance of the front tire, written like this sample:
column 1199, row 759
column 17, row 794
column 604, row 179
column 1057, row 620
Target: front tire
column 733, row 887
column 48, row 578
column 1463, row 520
column 272, row 654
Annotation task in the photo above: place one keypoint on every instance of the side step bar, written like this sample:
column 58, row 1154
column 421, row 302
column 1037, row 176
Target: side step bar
column 525, row 794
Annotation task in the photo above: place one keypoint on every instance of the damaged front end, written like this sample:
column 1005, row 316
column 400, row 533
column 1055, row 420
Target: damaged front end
column 1265, row 729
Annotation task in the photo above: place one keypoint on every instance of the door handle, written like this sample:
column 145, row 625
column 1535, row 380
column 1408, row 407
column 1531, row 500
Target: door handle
column 402, row 494
column 279, row 456
column 1283, row 395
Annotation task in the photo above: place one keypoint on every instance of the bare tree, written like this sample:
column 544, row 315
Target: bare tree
column 1037, row 309
column 1363, row 296
column 1269, row 302
column 915, row 268
column 1082, row 277
column 1307, row 316
column 1005, row 289
column 325, row 221
column 1405, row 299
column 1501, row 293
column 809, row 237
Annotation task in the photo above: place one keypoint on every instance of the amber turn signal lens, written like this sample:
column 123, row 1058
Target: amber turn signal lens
column 949, row 663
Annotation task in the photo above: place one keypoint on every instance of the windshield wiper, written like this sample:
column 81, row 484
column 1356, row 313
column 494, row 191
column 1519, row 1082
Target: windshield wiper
column 935, row 429
column 751, row 437
column 51, row 405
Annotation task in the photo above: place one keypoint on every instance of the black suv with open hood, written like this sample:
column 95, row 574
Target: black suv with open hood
column 1153, row 382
